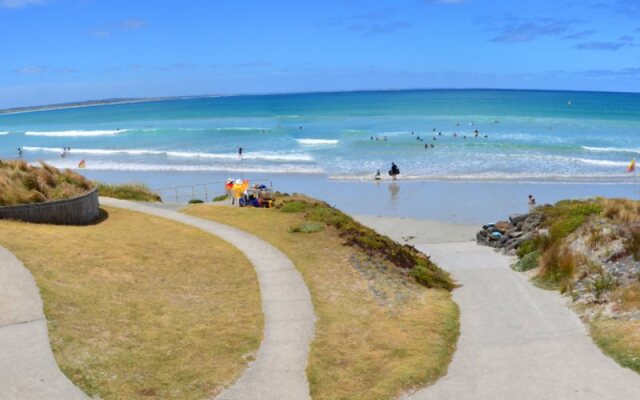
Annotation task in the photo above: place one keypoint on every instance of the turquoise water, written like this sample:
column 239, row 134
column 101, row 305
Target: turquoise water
column 531, row 135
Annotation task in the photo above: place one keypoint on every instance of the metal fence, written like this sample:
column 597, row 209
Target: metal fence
column 206, row 191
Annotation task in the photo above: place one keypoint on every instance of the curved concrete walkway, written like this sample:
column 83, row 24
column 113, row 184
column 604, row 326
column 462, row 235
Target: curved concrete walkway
column 518, row 341
column 278, row 372
column 28, row 370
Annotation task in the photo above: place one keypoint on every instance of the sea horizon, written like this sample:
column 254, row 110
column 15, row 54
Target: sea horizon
column 152, row 99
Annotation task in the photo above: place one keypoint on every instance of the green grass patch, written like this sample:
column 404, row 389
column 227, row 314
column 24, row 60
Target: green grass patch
column 222, row 197
column 293, row 206
column 128, row 191
column 307, row 227
column 528, row 262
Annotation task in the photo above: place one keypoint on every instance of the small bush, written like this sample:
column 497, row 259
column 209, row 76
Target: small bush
column 557, row 266
column 222, row 197
column 601, row 284
column 632, row 243
column 196, row 201
column 525, row 248
column 307, row 227
column 528, row 262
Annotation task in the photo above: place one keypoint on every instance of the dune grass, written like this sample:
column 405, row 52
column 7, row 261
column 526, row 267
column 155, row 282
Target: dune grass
column 22, row 183
column 140, row 307
column 378, row 332
column 128, row 191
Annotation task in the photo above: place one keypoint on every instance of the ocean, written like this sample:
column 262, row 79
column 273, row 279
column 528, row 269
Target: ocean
column 477, row 135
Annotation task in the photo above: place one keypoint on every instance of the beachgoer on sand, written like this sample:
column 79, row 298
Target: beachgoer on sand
column 532, row 203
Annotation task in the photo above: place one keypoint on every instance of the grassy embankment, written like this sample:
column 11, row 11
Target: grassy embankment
column 141, row 308
column 21, row 183
column 379, row 332
column 128, row 191
column 609, row 228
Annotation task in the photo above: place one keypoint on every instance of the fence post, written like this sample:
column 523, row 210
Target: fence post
column 176, row 194
column 206, row 193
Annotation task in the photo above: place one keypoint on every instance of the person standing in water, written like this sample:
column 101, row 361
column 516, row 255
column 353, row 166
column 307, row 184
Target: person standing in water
column 377, row 177
column 394, row 171
column 240, row 151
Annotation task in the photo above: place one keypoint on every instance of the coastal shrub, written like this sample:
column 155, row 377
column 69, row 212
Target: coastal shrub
column 528, row 262
column 525, row 248
column 196, row 201
column 557, row 267
column 307, row 227
column 128, row 191
column 22, row 183
column 632, row 243
column 602, row 283
column 621, row 211
column 222, row 197
column 293, row 206
column 566, row 216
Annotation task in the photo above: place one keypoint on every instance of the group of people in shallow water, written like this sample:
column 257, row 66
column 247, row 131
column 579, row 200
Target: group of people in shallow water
column 476, row 134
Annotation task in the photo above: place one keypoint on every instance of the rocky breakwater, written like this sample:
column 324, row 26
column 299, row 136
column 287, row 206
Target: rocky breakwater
column 508, row 235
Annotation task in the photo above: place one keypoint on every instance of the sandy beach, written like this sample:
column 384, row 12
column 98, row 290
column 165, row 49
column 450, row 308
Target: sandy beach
column 458, row 202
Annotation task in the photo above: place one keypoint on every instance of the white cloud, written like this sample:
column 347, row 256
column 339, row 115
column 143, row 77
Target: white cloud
column 19, row 3
column 30, row 70
column 131, row 24
column 102, row 33
column 447, row 1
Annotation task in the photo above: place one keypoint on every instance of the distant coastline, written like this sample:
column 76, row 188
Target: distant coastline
column 129, row 100
column 94, row 103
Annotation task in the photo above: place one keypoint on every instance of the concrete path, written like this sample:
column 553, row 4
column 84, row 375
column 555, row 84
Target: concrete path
column 28, row 370
column 279, row 370
column 518, row 341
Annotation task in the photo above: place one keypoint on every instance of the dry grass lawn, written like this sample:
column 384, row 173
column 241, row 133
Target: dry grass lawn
column 378, row 332
column 620, row 339
column 140, row 307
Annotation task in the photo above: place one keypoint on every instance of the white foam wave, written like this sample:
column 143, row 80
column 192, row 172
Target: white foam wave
column 4, row 133
column 317, row 142
column 265, row 156
column 75, row 133
column 117, row 166
column 610, row 149
column 604, row 163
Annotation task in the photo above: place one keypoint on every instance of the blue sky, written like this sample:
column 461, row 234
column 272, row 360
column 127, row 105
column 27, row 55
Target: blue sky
column 67, row 50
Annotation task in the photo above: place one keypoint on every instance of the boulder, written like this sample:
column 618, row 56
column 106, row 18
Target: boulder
column 516, row 219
